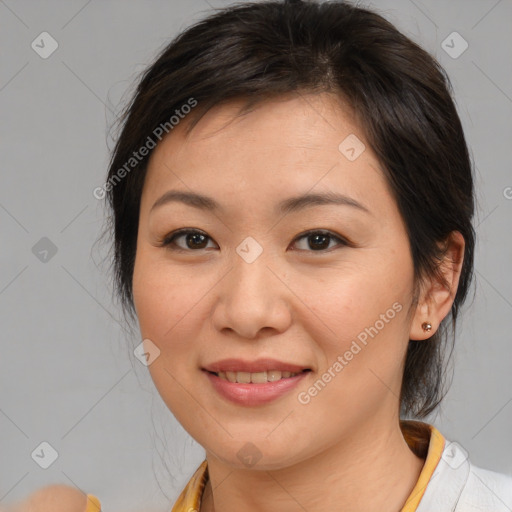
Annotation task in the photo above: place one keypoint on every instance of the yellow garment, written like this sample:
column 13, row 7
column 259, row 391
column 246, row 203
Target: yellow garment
column 423, row 439
column 93, row 504
column 434, row 451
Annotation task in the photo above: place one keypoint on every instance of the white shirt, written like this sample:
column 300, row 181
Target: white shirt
column 458, row 486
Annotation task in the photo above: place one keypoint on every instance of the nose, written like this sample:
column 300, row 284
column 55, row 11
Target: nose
column 253, row 298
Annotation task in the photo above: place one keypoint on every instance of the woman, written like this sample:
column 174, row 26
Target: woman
column 291, row 200
column 293, row 249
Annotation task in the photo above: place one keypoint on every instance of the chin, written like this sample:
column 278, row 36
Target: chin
column 258, row 453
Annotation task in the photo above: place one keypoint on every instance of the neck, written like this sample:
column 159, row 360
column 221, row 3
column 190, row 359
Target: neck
column 373, row 469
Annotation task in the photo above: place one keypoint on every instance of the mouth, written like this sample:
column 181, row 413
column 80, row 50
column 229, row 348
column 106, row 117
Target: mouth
column 259, row 371
column 256, row 377
column 255, row 383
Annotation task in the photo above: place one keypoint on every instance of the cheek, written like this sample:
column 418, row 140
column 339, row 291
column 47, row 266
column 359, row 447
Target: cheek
column 162, row 300
column 345, row 300
column 161, row 297
column 358, row 314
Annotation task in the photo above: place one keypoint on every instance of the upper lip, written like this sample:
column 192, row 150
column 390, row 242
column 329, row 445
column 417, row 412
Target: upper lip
column 259, row 365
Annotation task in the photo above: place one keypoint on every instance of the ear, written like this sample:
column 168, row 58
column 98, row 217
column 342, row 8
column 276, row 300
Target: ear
column 436, row 297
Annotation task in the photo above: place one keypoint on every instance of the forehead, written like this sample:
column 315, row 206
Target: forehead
column 280, row 147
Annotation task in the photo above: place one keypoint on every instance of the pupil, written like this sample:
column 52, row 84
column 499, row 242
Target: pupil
column 192, row 237
column 320, row 236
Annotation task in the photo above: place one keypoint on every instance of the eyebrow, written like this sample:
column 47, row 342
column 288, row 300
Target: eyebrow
column 286, row 206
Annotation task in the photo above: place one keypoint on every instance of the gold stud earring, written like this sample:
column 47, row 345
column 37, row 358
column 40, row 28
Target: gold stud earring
column 426, row 326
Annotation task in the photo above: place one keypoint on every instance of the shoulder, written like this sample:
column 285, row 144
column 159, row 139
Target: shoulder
column 487, row 490
column 457, row 485
column 57, row 498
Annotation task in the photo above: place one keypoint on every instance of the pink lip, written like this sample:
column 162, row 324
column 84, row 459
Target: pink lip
column 260, row 365
column 253, row 394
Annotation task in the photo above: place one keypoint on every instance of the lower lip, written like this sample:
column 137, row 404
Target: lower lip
column 253, row 394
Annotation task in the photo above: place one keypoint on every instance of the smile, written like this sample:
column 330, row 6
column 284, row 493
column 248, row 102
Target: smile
column 256, row 378
column 252, row 389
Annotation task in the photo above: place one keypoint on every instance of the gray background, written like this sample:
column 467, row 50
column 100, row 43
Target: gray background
column 67, row 375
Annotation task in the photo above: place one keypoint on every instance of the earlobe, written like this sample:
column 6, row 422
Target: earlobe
column 437, row 296
column 422, row 326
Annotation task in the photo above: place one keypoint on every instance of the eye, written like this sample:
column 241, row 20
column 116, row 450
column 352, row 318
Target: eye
column 319, row 240
column 194, row 239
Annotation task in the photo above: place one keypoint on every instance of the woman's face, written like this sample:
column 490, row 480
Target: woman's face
column 256, row 286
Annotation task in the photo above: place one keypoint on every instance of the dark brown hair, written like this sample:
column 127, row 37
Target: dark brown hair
column 399, row 94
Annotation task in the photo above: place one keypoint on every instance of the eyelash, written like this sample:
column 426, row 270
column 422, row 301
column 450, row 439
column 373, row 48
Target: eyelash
column 169, row 241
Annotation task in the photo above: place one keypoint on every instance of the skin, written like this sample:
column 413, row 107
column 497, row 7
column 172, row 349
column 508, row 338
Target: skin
column 57, row 498
column 344, row 450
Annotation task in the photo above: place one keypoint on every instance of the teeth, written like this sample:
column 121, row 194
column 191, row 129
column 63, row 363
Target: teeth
column 255, row 378
column 231, row 376
column 243, row 377
column 273, row 375
column 258, row 378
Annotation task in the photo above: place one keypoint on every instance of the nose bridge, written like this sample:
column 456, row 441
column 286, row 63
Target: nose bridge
column 251, row 275
column 252, row 296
